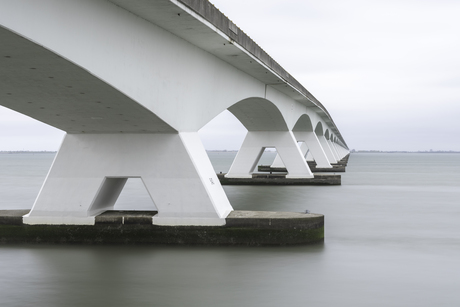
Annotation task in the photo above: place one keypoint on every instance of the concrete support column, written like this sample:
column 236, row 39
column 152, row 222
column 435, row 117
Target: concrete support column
column 334, row 149
column 311, row 140
column 341, row 150
column 254, row 145
column 327, row 149
column 304, row 149
column 90, row 171
column 338, row 150
column 334, row 152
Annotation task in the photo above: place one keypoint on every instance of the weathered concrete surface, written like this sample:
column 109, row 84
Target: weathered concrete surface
column 280, row 179
column 125, row 217
column 249, row 228
column 12, row 217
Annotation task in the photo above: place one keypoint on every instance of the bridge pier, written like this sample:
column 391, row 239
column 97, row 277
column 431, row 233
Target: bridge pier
column 334, row 151
column 343, row 152
column 327, row 149
column 253, row 147
column 339, row 152
column 90, row 171
column 277, row 162
column 311, row 147
column 313, row 144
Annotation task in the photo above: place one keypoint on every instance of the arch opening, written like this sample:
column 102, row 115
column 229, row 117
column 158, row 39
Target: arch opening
column 303, row 124
column 122, row 193
column 135, row 196
column 259, row 114
column 319, row 129
column 223, row 136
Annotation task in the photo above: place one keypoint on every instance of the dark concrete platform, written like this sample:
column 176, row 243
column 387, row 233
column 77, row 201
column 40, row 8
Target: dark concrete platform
column 343, row 162
column 338, row 167
column 280, row 179
column 247, row 228
column 311, row 165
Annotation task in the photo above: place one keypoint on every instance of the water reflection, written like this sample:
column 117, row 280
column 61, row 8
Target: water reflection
column 174, row 276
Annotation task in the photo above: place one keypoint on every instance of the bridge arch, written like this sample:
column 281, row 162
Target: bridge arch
column 319, row 129
column 259, row 114
column 303, row 124
column 267, row 128
column 179, row 82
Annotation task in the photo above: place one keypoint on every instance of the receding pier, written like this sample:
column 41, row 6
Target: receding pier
column 247, row 228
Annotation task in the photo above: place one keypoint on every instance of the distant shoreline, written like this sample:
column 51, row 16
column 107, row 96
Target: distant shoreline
column 404, row 151
column 25, row 152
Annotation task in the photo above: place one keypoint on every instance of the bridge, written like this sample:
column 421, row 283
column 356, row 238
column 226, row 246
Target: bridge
column 131, row 82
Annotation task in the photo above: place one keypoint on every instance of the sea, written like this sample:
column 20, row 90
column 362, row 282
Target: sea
column 392, row 238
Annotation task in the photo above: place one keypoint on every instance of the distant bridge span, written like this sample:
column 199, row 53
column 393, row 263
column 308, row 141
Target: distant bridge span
column 132, row 82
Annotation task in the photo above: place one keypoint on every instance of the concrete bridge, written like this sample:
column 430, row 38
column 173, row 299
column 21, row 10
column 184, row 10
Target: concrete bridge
column 132, row 82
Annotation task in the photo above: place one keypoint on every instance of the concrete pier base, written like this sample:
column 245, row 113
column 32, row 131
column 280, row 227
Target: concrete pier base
column 280, row 179
column 247, row 228
column 338, row 167
column 343, row 161
column 312, row 165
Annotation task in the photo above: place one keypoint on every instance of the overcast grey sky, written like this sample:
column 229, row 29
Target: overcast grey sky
column 387, row 71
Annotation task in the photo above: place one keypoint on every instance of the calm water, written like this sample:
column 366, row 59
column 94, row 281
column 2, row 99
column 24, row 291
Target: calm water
column 392, row 239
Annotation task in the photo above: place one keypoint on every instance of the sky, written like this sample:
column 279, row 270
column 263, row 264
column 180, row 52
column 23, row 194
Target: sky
column 387, row 71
